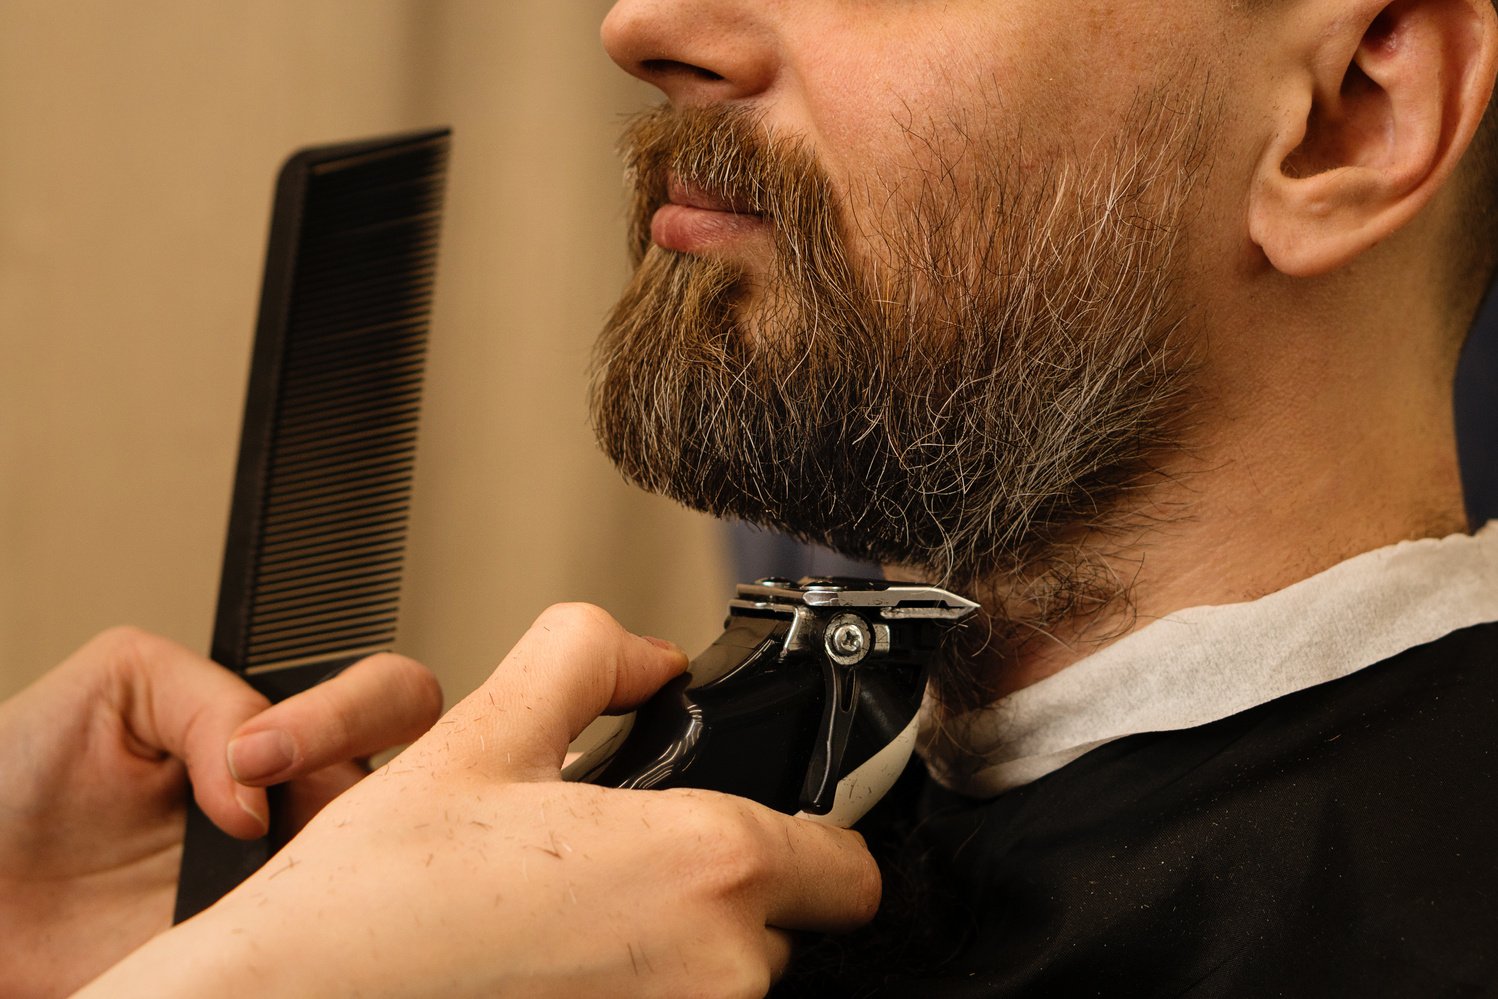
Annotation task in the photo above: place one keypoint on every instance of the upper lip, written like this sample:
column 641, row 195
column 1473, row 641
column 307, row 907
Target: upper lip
column 688, row 195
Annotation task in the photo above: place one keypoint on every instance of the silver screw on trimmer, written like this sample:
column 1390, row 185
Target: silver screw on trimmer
column 848, row 639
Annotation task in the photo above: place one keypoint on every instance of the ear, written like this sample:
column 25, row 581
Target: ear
column 1390, row 96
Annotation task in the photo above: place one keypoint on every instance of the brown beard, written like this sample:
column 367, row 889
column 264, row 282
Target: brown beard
column 969, row 384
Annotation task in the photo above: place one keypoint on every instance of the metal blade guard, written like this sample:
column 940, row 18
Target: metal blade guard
column 806, row 703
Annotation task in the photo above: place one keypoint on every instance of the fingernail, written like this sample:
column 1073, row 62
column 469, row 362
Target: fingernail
column 661, row 643
column 262, row 755
column 252, row 800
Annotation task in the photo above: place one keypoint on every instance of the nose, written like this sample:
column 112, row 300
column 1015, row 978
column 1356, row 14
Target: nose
column 694, row 51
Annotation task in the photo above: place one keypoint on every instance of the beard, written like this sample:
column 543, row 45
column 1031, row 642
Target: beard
column 967, row 379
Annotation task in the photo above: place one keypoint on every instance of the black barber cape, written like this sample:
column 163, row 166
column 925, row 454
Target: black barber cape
column 1338, row 841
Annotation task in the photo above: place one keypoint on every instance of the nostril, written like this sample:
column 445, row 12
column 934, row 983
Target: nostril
column 672, row 67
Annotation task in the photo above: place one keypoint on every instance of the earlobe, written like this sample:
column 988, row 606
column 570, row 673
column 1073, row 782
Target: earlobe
column 1388, row 104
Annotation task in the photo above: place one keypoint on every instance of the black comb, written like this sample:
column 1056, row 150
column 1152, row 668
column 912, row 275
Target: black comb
column 317, row 527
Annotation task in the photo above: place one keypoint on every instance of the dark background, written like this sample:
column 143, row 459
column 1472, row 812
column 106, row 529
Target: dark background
column 1477, row 415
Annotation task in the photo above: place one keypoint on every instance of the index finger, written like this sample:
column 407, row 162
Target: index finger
column 379, row 702
column 832, row 883
column 804, row 875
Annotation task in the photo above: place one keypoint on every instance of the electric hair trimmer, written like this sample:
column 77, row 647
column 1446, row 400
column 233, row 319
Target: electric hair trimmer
column 807, row 702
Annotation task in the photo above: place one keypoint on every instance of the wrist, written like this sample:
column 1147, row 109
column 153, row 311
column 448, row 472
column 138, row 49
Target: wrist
column 212, row 954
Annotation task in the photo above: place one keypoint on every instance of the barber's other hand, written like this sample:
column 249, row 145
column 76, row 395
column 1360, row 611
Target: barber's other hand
column 94, row 759
column 466, row 868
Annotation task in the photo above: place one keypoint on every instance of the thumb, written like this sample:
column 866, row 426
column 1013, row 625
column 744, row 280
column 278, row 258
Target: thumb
column 575, row 663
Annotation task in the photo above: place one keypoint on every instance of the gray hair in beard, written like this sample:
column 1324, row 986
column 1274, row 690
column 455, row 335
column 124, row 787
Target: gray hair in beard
column 971, row 393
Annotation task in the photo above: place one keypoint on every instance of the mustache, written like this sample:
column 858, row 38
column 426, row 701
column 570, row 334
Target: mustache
column 727, row 153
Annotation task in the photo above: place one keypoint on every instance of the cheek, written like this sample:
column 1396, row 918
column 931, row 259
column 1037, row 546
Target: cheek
column 887, row 116
column 879, row 89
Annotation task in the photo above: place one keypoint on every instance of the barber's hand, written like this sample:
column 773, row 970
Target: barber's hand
column 466, row 868
column 94, row 759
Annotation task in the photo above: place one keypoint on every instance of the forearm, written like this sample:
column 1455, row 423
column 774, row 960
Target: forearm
column 207, row 956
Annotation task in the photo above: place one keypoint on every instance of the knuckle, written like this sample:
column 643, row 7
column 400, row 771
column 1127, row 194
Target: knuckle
column 589, row 630
column 123, row 633
column 728, row 961
column 733, row 867
column 735, row 974
column 748, row 978
column 727, row 847
column 121, row 639
column 578, row 617
column 754, row 984
column 128, row 654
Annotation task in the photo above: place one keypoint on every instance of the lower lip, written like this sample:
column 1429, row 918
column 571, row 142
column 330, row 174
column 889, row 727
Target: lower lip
column 697, row 230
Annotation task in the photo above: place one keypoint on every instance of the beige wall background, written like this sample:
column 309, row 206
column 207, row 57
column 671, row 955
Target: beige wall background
column 138, row 142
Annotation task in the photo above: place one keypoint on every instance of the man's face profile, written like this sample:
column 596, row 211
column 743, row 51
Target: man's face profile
column 1137, row 322
column 921, row 320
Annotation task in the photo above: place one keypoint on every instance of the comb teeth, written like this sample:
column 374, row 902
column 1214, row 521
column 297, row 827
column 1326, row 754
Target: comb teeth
column 335, row 465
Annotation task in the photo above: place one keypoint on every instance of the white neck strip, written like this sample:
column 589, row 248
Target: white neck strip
column 1205, row 663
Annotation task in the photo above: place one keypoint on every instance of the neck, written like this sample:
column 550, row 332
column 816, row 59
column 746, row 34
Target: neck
column 1299, row 465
